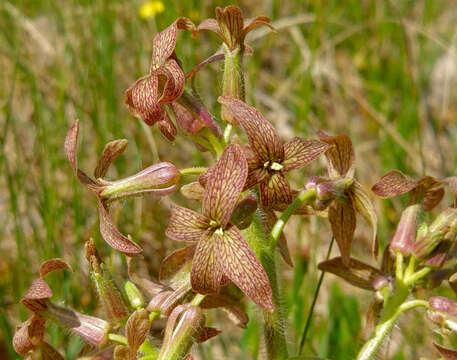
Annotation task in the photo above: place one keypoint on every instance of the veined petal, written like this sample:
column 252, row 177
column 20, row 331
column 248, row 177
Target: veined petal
column 48, row 352
column 112, row 235
column 298, row 152
column 209, row 24
column 263, row 138
column 231, row 306
column 163, row 45
column 175, row 261
column 256, row 176
column 275, row 191
column 166, row 127
column 225, row 184
column 343, row 221
column 341, row 156
column 174, row 86
column 206, row 273
column 252, row 23
column 28, row 334
column 393, row 183
column 142, row 99
column 53, row 265
column 36, row 296
column 240, row 265
column 446, row 353
column 230, row 21
column 110, row 153
column 186, row 225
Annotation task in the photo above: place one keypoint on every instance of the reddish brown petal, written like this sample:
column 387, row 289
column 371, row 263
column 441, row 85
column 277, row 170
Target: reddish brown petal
column 163, row 45
column 36, row 295
column 263, row 138
column 252, row 23
column 48, row 352
column 341, row 156
column 354, row 272
column 231, row 306
column 230, row 21
column 207, row 333
column 53, row 265
column 142, row 99
column 167, row 128
column 241, row 266
column 174, row 86
column 28, row 334
column 364, row 206
column 110, row 153
column 137, row 330
column 433, row 198
column 148, row 286
column 446, row 353
column 175, row 261
column 206, row 274
column 392, row 184
column 209, row 24
column 275, row 192
column 225, row 185
column 298, row 152
column 188, row 357
column 112, row 235
column 185, row 224
column 343, row 222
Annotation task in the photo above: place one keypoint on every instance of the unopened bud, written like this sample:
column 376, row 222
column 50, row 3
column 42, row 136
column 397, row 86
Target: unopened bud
column 158, row 179
column 383, row 288
column 244, row 212
column 90, row 328
column 134, row 295
column 403, row 240
column 326, row 191
column 167, row 300
column 443, row 311
column 193, row 191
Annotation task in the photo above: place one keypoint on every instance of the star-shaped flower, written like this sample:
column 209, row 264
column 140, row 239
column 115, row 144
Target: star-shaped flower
column 268, row 159
column 221, row 252
column 164, row 84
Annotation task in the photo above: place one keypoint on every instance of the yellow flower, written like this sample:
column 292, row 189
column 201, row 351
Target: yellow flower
column 151, row 9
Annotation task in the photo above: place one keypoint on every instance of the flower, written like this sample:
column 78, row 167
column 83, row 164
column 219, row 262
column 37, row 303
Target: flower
column 164, row 83
column 221, row 252
column 267, row 158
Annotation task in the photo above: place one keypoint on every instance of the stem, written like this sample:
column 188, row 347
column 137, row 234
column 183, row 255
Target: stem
column 409, row 280
column 192, row 171
column 304, row 196
column 118, row 338
column 196, row 301
column 215, row 143
column 227, row 132
column 313, row 304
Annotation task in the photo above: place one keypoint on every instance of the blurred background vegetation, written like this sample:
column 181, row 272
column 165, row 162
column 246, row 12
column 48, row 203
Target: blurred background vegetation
column 385, row 72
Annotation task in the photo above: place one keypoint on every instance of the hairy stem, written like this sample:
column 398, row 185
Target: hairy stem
column 192, row 171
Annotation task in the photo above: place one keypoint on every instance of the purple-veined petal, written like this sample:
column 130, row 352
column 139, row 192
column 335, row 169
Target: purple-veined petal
column 230, row 21
column 231, row 306
column 148, row 286
column 137, row 330
column 218, row 55
column 175, row 261
column 48, row 352
column 163, row 46
column 206, row 273
column 340, row 156
column 240, row 265
column 206, row 334
column 275, row 191
column 446, row 353
column 112, row 235
column 175, row 82
column 298, row 152
column 186, row 225
column 167, row 128
column 263, row 138
column 256, row 176
column 225, row 184
column 110, row 153
column 432, row 198
column 36, row 296
column 28, row 334
column 252, row 23
column 392, row 184
column 142, row 99
column 343, row 222
column 53, row 265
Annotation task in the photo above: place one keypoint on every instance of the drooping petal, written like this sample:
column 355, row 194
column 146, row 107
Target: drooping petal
column 48, row 352
column 341, row 156
column 167, row 128
column 137, row 330
column 432, row 198
column 355, row 272
column 431, row 190
column 53, row 265
column 28, row 334
column 446, row 353
column 37, row 295
column 275, row 191
column 110, row 153
column 252, row 23
column 298, row 152
column 148, row 286
column 263, row 138
column 218, row 55
column 175, row 261
column 209, row 24
column 112, row 235
column 231, row 306
column 142, row 99
column 342, row 220
column 206, row 273
column 163, row 45
column 240, row 265
column 364, row 206
column 225, row 184
column 206, row 334
column 185, row 224
column 392, row 184
column 175, row 82
column 230, row 21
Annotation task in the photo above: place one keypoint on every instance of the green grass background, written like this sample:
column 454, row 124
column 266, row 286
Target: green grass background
column 385, row 72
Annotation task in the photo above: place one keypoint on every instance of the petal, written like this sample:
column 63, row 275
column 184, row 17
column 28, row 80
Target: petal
column 53, row 265
column 230, row 21
column 392, row 184
column 28, row 334
column 263, row 138
column 110, row 153
column 36, row 296
column 186, row 225
column 446, row 353
column 218, row 55
column 207, row 333
column 225, row 184
column 174, row 262
column 341, row 156
column 342, row 220
column 167, row 128
column 433, row 198
column 252, row 23
column 137, row 330
column 231, row 306
column 209, row 24
column 240, row 265
column 355, row 272
column 206, row 273
column 148, row 286
column 364, row 206
column 163, row 45
column 298, row 153
column 256, row 176
column 275, row 191
column 142, row 99
column 112, row 235
column 174, row 86
column 48, row 352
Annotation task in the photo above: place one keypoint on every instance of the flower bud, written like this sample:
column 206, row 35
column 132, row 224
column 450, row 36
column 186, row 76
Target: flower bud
column 403, row 240
column 383, row 288
column 90, row 328
column 167, row 300
column 244, row 211
column 158, row 179
column 134, row 295
column 443, row 311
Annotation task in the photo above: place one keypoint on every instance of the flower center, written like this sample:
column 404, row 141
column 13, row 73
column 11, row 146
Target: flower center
column 216, row 227
column 272, row 165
